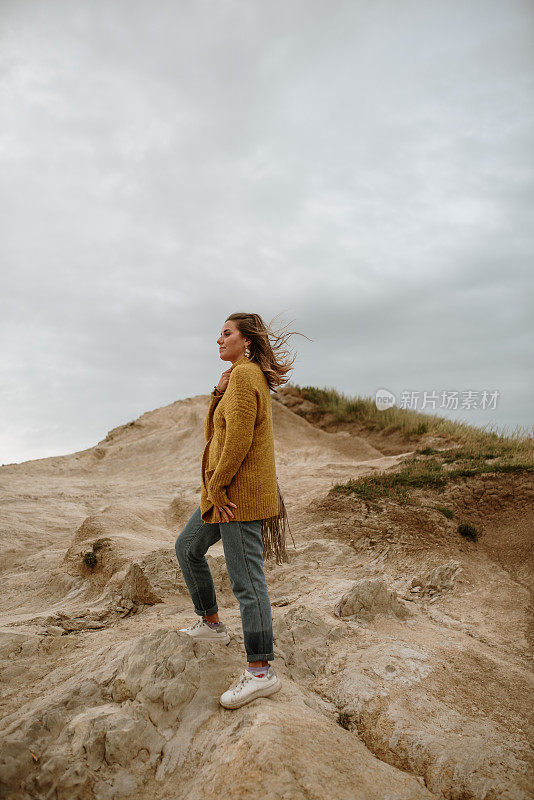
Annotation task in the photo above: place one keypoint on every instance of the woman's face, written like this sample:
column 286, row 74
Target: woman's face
column 231, row 343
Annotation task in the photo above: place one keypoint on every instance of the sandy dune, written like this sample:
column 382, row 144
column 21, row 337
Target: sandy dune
column 404, row 650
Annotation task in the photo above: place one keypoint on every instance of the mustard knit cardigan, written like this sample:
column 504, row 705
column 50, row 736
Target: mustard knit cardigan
column 238, row 462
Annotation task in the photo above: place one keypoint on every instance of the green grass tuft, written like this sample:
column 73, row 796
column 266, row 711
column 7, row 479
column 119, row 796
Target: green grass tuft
column 468, row 530
column 100, row 543
column 89, row 559
column 447, row 512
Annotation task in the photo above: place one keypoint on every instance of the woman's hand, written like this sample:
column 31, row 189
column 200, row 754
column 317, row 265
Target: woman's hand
column 225, row 377
column 226, row 511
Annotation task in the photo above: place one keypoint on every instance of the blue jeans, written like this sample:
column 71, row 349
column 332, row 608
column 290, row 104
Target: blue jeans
column 243, row 551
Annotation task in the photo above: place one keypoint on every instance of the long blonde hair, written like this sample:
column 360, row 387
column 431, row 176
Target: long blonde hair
column 273, row 357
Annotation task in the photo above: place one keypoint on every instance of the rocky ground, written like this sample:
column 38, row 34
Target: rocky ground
column 404, row 649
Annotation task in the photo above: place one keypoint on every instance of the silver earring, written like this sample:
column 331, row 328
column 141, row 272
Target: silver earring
column 247, row 351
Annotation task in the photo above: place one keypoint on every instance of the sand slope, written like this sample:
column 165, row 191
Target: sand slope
column 405, row 651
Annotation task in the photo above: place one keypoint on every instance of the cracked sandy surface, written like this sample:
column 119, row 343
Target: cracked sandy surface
column 404, row 650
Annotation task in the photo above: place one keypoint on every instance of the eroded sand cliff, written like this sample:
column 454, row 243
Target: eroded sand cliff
column 405, row 650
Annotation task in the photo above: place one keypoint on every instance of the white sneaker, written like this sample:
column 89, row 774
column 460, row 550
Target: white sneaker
column 249, row 687
column 202, row 631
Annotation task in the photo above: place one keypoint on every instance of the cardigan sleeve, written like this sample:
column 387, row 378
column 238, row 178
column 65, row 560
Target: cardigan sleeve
column 240, row 417
column 208, row 421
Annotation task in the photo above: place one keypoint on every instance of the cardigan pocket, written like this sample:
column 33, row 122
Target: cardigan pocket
column 209, row 475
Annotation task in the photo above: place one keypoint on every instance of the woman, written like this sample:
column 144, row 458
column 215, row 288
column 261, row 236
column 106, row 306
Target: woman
column 240, row 501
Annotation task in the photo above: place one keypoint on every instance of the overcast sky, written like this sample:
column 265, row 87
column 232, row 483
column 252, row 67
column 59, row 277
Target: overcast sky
column 365, row 168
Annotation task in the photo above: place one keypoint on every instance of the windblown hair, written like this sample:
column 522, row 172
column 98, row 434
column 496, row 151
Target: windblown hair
column 271, row 356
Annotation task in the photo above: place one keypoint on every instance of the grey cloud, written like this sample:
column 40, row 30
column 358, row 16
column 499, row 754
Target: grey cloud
column 367, row 167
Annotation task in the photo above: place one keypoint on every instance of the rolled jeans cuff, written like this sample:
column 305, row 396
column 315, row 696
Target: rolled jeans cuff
column 208, row 612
